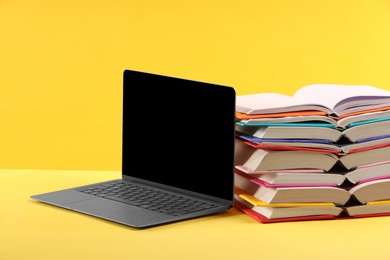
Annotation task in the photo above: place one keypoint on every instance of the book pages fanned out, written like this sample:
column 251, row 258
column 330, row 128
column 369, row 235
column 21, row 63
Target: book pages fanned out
column 327, row 143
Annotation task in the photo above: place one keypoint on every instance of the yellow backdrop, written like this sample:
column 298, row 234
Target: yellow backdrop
column 61, row 62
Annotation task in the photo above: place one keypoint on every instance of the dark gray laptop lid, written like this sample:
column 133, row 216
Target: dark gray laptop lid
column 179, row 132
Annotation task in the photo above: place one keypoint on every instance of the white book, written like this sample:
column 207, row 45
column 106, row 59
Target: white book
column 291, row 177
column 277, row 160
column 342, row 99
column 373, row 209
column 362, row 173
column 336, row 195
column 366, row 192
column 287, row 132
column 369, row 171
column 263, row 159
column 287, row 212
column 375, row 190
column 335, row 99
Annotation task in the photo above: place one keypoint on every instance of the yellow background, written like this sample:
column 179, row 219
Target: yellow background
column 61, row 65
column 61, row 62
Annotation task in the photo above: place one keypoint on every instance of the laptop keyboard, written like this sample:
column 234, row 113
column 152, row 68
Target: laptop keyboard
column 147, row 198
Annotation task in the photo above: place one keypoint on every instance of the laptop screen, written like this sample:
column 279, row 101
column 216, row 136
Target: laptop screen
column 179, row 132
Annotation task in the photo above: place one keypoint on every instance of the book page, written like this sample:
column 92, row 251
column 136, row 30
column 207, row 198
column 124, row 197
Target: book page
column 372, row 191
column 332, row 95
column 266, row 103
column 255, row 159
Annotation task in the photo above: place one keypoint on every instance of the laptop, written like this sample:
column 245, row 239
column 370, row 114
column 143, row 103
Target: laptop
column 177, row 155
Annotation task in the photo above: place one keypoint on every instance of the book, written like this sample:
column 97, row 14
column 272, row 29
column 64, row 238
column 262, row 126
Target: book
column 359, row 133
column 315, row 177
column 266, row 159
column 291, row 211
column 288, row 178
column 371, row 209
column 276, row 132
column 262, row 159
column 256, row 202
column 250, row 144
column 242, row 151
column 337, row 100
column 315, row 145
column 361, row 211
column 325, row 144
column 297, row 121
column 364, row 173
column 278, row 211
column 374, row 190
column 353, row 160
column 302, row 120
column 336, row 195
column 260, row 218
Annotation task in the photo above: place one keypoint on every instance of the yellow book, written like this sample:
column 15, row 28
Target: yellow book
column 280, row 211
column 259, row 203
column 378, row 202
column 371, row 208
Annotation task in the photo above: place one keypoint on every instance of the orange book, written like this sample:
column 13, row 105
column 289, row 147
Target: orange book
column 298, row 113
column 345, row 104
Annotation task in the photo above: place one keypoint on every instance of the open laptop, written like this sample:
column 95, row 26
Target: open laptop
column 178, row 149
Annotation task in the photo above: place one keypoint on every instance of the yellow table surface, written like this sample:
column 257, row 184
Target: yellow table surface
column 34, row 230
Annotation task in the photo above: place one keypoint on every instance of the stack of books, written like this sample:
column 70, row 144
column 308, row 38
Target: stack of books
column 323, row 153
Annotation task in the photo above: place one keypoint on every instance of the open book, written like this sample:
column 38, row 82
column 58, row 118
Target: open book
column 315, row 177
column 375, row 208
column 291, row 210
column 283, row 204
column 359, row 133
column 300, row 212
column 255, row 159
column 336, row 100
column 302, row 120
column 272, row 133
column 327, row 143
column 326, row 194
column 314, row 145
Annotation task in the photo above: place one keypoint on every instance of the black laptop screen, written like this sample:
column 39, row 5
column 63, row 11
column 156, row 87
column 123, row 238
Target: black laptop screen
column 179, row 132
